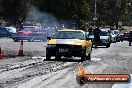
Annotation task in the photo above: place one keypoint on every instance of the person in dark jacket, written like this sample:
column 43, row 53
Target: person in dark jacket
column 90, row 30
column 96, row 36
column 130, row 38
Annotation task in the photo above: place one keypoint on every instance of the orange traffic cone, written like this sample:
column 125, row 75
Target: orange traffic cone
column 1, row 54
column 81, row 71
column 21, row 49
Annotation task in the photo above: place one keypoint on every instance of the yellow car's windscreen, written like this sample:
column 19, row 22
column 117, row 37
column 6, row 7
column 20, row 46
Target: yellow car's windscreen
column 69, row 35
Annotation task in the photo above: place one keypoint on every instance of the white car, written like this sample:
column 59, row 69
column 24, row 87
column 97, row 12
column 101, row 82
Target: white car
column 114, row 35
column 105, row 29
column 11, row 29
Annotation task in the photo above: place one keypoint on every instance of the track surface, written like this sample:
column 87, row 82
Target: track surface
column 32, row 71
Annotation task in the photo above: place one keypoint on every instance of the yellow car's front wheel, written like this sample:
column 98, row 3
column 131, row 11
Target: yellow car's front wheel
column 48, row 56
column 57, row 57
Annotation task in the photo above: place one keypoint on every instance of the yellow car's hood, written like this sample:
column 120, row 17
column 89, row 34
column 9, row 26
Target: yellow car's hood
column 66, row 41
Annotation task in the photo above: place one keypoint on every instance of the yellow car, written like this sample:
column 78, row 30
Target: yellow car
column 68, row 43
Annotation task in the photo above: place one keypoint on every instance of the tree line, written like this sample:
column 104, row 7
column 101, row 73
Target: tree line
column 109, row 12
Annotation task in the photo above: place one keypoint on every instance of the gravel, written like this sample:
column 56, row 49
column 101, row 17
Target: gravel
column 32, row 71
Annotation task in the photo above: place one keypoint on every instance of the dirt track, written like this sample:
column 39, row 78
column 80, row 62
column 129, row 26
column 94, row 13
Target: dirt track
column 28, row 72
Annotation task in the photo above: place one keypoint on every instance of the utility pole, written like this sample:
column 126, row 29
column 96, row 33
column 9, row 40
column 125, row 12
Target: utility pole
column 95, row 12
column 95, row 9
column 129, row 17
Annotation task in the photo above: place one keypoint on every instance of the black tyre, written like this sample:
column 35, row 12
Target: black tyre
column 30, row 40
column 48, row 56
column 129, row 43
column 57, row 57
column 15, row 40
column 83, row 55
column 91, row 49
column 108, row 45
column 68, row 56
column 43, row 40
column 89, row 56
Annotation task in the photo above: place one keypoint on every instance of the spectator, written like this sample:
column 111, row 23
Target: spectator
column 90, row 30
column 96, row 36
column 130, row 38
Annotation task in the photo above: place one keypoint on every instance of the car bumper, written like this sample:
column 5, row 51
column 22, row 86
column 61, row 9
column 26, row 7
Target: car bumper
column 102, row 43
column 124, row 38
column 64, row 51
column 21, row 38
column 28, row 37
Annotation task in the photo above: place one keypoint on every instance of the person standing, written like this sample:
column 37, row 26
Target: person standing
column 130, row 38
column 96, row 33
column 90, row 30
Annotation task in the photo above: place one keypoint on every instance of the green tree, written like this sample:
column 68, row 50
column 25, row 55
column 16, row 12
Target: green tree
column 77, row 10
column 80, row 11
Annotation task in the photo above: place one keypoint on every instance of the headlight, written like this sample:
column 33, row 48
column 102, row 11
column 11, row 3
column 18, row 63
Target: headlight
column 51, row 46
